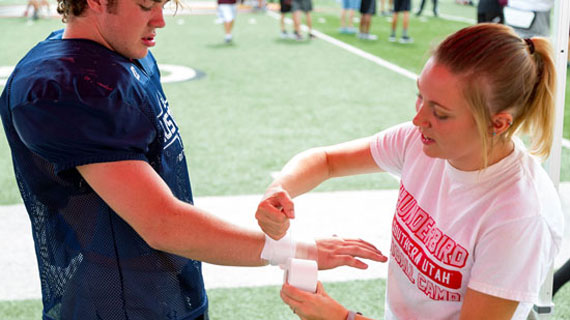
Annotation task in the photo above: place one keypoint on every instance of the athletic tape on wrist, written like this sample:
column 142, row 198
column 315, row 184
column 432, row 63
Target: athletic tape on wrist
column 277, row 252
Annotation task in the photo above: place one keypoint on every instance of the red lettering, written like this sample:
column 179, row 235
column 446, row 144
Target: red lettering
column 423, row 227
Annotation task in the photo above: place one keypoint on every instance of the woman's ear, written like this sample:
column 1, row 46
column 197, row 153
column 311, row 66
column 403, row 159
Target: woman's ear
column 501, row 122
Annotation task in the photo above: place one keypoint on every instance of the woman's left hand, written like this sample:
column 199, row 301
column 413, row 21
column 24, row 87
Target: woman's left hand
column 312, row 306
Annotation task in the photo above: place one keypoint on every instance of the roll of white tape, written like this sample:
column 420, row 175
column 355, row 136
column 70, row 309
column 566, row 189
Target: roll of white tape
column 302, row 274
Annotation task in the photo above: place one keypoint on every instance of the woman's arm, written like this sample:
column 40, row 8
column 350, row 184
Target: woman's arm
column 477, row 305
column 304, row 172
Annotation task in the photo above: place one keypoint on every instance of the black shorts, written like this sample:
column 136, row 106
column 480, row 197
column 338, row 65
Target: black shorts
column 494, row 17
column 285, row 6
column 402, row 5
column 368, row 7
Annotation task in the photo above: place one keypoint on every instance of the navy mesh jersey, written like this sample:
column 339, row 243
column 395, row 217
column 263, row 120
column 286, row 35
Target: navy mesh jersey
column 74, row 102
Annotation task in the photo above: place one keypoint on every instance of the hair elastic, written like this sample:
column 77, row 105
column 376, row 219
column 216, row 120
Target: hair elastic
column 530, row 45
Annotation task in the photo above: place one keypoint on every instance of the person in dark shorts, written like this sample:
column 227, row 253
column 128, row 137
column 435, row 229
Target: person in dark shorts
column 306, row 6
column 404, row 7
column 490, row 11
column 285, row 7
column 367, row 10
column 423, row 3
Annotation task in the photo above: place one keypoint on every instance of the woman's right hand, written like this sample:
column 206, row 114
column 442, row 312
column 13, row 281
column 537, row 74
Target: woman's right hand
column 312, row 306
column 274, row 211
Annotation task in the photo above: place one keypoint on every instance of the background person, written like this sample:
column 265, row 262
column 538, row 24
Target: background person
column 423, row 3
column 491, row 11
column 539, row 21
column 306, row 6
column 367, row 10
column 478, row 222
column 347, row 16
column 402, row 6
column 227, row 11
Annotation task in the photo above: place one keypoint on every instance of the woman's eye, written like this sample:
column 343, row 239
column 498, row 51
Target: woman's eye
column 439, row 116
column 145, row 8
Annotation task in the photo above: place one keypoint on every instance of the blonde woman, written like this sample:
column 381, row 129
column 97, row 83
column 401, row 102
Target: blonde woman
column 478, row 222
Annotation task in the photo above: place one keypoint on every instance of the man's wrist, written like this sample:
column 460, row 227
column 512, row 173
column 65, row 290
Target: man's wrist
column 277, row 252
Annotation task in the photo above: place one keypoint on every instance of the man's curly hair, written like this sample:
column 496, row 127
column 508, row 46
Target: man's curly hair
column 75, row 7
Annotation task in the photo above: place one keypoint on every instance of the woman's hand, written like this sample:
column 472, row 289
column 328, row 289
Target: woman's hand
column 274, row 211
column 312, row 306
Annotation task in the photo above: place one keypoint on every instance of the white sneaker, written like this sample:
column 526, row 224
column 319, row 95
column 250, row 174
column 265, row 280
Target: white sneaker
column 406, row 39
column 392, row 38
column 372, row 37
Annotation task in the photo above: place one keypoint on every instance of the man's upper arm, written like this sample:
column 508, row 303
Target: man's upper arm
column 134, row 191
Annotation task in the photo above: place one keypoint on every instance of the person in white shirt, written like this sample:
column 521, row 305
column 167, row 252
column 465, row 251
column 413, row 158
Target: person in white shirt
column 478, row 222
column 529, row 18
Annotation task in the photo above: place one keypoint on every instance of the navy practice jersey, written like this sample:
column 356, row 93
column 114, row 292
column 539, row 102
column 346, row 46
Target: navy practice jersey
column 74, row 102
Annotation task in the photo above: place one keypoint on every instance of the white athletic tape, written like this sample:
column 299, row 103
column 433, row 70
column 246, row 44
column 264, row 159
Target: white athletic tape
column 302, row 274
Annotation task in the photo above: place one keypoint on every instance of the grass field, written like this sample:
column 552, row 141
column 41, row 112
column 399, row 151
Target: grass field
column 263, row 303
column 262, row 100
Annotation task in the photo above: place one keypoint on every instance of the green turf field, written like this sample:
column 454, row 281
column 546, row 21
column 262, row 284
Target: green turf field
column 264, row 303
column 262, row 100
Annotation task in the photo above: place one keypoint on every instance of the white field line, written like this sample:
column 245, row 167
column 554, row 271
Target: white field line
column 381, row 62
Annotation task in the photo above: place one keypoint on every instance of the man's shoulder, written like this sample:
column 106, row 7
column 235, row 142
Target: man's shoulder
column 57, row 68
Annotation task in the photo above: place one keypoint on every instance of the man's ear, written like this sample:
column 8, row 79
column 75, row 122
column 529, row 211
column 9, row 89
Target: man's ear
column 99, row 6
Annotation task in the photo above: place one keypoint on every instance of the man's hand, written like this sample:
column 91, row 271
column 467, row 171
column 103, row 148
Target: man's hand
column 274, row 211
column 335, row 252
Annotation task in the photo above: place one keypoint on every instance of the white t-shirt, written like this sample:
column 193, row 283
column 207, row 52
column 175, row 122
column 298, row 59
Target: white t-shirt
column 496, row 231
column 532, row 5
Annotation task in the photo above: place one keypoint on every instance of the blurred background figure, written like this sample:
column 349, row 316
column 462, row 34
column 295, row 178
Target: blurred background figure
column 404, row 7
column 284, row 8
column 227, row 11
column 422, row 4
column 347, row 16
column 386, row 11
column 36, row 6
column 465, row 2
column 306, row 6
column 491, row 11
column 367, row 10
column 529, row 18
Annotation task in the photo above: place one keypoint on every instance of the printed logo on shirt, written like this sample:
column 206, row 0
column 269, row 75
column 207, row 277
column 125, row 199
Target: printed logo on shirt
column 135, row 73
column 418, row 244
column 167, row 123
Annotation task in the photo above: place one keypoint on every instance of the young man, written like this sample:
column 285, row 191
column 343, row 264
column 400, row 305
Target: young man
column 284, row 8
column 367, row 10
column 306, row 6
column 102, row 171
column 347, row 15
column 401, row 6
column 227, row 11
